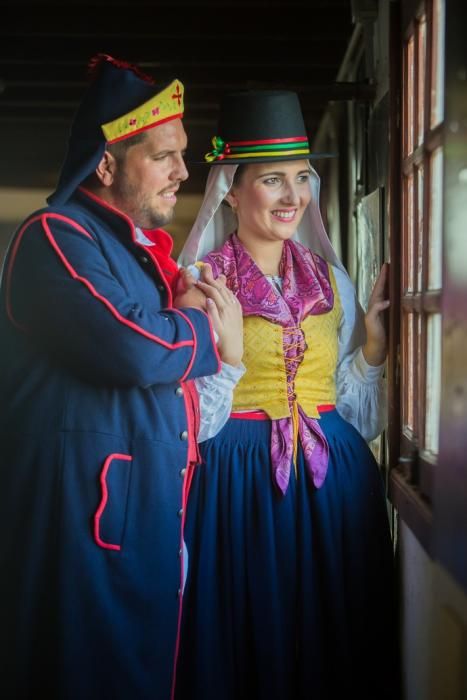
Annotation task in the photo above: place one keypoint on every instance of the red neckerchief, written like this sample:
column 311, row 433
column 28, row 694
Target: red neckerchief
column 161, row 251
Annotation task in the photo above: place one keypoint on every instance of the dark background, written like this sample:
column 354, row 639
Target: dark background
column 210, row 45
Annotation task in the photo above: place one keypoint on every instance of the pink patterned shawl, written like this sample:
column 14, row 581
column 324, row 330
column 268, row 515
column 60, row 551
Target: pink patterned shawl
column 306, row 289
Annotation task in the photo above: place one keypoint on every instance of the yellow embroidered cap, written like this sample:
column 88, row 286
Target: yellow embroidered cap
column 166, row 105
column 119, row 102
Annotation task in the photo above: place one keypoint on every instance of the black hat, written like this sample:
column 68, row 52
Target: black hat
column 120, row 102
column 256, row 126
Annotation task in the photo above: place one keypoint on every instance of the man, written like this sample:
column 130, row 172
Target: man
column 98, row 418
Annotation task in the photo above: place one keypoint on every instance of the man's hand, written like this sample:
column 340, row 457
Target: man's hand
column 188, row 293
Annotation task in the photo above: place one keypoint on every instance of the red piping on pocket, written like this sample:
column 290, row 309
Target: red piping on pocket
column 103, row 503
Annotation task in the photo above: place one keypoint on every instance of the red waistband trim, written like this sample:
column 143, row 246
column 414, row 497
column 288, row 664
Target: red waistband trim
column 262, row 415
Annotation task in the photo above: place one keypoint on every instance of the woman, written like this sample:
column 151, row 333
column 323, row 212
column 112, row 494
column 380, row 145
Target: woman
column 290, row 586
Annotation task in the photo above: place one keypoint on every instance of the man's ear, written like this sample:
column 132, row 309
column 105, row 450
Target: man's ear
column 106, row 169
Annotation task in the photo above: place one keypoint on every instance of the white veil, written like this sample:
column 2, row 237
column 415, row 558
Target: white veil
column 215, row 221
column 213, row 225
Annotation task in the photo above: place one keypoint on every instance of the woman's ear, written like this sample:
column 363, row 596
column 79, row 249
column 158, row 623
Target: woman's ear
column 231, row 199
column 106, row 169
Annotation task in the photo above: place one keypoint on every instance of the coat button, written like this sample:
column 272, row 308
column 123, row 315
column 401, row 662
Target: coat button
column 179, row 391
column 180, row 513
column 184, row 435
column 144, row 259
column 179, row 593
column 161, row 287
column 180, row 553
column 183, row 472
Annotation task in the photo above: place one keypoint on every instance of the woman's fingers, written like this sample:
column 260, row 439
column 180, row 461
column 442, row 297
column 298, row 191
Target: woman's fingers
column 225, row 313
column 213, row 314
column 379, row 289
column 379, row 306
column 208, row 278
column 218, row 292
column 212, row 293
column 206, row 273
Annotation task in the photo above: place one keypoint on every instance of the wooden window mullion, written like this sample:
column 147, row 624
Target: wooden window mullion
column 411, row 481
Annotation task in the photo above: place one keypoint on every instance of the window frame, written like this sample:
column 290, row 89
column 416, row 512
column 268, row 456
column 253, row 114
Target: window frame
column 412, row 467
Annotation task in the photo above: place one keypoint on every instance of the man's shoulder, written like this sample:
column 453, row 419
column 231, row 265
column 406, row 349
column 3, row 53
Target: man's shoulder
column 70, row 213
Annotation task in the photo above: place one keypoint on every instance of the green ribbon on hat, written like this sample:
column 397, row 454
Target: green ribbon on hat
column 218, row 149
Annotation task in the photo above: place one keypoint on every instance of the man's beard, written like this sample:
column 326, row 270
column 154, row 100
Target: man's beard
column 156, row 219
column 138, row 208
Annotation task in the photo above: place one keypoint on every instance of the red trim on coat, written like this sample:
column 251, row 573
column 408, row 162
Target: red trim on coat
column 104, row 499
column 166, row 282
column 12, row 259
column 106, row 302
column 150, row 233
column 194, row 419
column 191, row 399
column 195, row 341
column 213, row 340
column 211, row 333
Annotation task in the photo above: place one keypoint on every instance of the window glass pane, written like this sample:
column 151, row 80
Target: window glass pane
column 421, row 77
column 409, row 94
column 408, row 233
column 437, row 64
column 419, row 231
column 433, row 382
column 408, row 370
column 436, row 220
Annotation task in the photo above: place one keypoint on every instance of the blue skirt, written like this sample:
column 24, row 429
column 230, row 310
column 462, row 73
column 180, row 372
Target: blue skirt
column 288, row 596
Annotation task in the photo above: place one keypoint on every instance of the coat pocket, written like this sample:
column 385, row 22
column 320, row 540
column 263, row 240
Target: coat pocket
column 109, row 518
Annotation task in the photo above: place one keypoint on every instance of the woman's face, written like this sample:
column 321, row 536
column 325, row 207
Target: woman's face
column 270, row 198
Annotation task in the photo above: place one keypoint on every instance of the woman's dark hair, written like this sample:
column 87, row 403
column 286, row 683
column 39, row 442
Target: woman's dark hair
column 238, row 174
column 236, row 180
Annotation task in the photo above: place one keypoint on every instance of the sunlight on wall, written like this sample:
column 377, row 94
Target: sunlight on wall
column 185, row 214
column 16, row 204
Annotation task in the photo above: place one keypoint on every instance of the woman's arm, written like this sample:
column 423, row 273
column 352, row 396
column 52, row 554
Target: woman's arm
column 215, row 398
column 361, row 387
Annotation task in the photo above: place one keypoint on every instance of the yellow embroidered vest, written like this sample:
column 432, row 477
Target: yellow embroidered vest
column 264, row 384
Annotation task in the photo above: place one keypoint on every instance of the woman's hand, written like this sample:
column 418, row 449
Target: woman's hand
column 223, row 308
column 225, row 313
column 375, row 348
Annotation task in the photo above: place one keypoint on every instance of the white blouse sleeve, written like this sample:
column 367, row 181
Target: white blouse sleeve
column 215, row 397
column 361, row 388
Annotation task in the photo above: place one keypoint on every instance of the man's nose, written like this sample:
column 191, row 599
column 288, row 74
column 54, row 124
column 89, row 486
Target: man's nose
column 180, row 171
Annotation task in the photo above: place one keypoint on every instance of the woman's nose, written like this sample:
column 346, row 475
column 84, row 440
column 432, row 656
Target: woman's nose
column 290, row 194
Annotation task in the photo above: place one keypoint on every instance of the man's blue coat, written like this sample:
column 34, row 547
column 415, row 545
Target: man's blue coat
column 95, row 429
